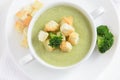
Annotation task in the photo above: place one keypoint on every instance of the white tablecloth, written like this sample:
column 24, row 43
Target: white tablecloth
column 9, row 71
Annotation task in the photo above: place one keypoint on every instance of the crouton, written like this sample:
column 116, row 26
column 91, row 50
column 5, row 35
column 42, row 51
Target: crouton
column 28, row 9
column 22, row 14
column 68, row 20
column 73, row 38
column 27, row 20
column 66, row 29
column 51, row 26
column 47, row 46
column 24, row 42
column 42, row 36
column 37, row 5
column 25, row 31
column 19, row 26
column 66, row 46
column 33, row 12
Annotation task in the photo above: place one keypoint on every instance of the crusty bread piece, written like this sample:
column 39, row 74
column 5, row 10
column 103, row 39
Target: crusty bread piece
column 19, row 26
column 42, row 36
column 24, row 42
column 47, row 46
column 73, row 38
column 66, row 29
column 68, row 20
column 51, row 26
column 36, row 6
column 66, row 46
column 27, row 20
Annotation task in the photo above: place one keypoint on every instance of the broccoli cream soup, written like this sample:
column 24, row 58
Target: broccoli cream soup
column 82, row 27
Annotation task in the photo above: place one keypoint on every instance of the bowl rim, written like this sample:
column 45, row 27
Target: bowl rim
column 35, row 18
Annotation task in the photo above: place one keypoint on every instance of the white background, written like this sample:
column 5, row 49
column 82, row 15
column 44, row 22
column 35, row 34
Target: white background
column 9, row 71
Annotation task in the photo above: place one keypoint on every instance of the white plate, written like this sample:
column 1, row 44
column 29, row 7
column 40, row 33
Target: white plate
column 90, row 69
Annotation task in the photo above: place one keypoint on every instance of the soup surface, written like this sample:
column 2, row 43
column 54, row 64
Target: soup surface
column 82, row 27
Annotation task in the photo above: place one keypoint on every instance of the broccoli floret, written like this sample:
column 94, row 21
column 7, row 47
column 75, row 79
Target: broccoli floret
column 100, row 41
column 105, row 39
column 102, row 30
column 55, row 40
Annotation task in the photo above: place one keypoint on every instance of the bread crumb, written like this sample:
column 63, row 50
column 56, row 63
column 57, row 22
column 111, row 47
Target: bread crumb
column 19, row 26
column 24, row 42
column 27, row 20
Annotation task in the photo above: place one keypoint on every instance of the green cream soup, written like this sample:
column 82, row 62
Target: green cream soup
column 82, row 27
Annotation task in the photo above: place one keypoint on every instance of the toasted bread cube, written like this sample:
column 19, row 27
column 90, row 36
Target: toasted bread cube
column 51, row 26
column 66, row 29
column 24, row 42
column 33, row 12
column 37, row 5
column 42, row 36
column 66, row 46
column 22, row 14
column 25, row 31
column 28, row 9
column 47, row 46
column 27, row 20
column 19, row 26
column 68, row 20
column 73, row 38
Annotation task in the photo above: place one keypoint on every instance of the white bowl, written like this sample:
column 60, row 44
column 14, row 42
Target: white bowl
column 88, row 16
